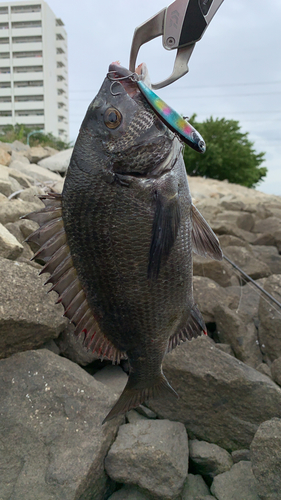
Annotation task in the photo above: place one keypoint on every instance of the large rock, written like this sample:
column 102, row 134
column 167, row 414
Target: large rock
column 10, row 248
column 270, row 256
column 270, row 320
column 152, row 454
column 218, row 271
column 37, row 153
column 5, row 157
column 246, row 260
column 53, row 442
column 11, row 211
column 207, row 295
column 38, row 173
column 220, row 397
column 194, row 487
column 72, row 347
column 28, row 315
column 235, row 329
column 276, row 370
column 266, row 459
column 58, row 162
column 24, row 180
column 8, row 185
column 208, row 459
column 129, row 492
column 237, row 484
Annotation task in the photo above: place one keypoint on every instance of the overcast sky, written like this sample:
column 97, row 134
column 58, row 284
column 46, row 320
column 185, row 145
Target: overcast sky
column 235, row 70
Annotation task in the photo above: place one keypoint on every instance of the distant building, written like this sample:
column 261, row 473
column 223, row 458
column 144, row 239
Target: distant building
column 33, row 67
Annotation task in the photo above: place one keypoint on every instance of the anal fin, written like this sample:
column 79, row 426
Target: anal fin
column 193, row 328
column 204, row 240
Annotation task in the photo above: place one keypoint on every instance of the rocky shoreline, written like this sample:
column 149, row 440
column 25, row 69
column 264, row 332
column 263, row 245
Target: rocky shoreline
column 221, row 439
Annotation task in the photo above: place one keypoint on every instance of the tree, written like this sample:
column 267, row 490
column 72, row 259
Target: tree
column 19, row 132
column 229, row 154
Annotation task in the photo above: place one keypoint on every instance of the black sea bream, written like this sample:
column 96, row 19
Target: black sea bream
column 118, row 241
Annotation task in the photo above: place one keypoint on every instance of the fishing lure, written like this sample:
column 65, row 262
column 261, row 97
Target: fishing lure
column 175, row 122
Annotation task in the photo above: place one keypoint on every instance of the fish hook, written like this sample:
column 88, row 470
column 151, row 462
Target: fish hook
column 111, row 86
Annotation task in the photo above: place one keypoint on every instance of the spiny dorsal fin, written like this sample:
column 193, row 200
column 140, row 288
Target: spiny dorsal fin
column 164, row 231
column 204, row 240
column 55, row 252
column 194, row 327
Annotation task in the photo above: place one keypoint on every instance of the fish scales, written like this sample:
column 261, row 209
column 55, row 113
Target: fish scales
column 130, row 227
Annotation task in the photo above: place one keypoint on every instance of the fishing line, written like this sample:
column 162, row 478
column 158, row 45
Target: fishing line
column 253, row 282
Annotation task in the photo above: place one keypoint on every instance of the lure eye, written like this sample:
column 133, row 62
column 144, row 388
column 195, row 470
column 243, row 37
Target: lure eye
column 112, row 118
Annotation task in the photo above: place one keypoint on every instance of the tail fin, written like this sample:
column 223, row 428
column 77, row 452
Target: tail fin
column 134, row 395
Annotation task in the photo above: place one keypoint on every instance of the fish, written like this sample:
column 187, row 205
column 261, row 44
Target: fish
column 118, row 241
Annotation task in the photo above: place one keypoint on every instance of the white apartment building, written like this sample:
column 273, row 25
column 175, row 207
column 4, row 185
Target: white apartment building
column 33, row 67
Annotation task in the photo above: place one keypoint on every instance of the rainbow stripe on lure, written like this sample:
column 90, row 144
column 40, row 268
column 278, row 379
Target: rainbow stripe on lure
column 173, row 120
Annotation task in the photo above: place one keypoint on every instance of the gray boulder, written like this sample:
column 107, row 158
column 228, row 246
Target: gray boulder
column 218, row 271
column 208, row 459
column 237, row 484
column 53, row 442
column 152, row 454
column 269, row 255
column 72, row 347
column 276, row 370
column 58, row 162
column 10, row 248
column 37, row 153
column 246, row 260
column 239, row 455
column 38, row 173
column 220, row 397
column 270, row 320
column 129, row 493
column 266, row 459
column 11, row 211
column 194, row 487
column 28, row 315
column 235, row 328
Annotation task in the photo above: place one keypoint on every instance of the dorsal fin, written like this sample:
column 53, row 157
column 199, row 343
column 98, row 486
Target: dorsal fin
column 204, row 240
column 194, row 327
column 55, row 252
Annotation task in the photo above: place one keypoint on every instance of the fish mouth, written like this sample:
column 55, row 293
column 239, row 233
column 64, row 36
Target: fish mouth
column 126, row 78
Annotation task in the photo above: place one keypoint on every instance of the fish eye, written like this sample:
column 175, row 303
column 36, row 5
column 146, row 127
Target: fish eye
column 112, row 118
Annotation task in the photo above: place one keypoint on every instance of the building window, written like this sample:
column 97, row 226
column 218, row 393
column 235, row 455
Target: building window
column 4, row 26
column 5, row 99
column 59, row 63
column 59, row 37
column 29, row 53
column 27, row 98
column 61, row 91
column 18, row 9
column 3, row 10
column 60, row 78
column 61, row 105
column 27, row 69
column 59, row 50
column 5, row 113
column 4, row 55
column 4, row 41
column 5, row 85
column 59, row 22
column 5, row 70
column 30, row 112
column 26, row 24
column 36, row 83
column 26, row 39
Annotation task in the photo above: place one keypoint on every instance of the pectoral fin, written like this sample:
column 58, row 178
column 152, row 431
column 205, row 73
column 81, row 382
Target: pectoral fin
column 164, row 232
column 204, row 240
